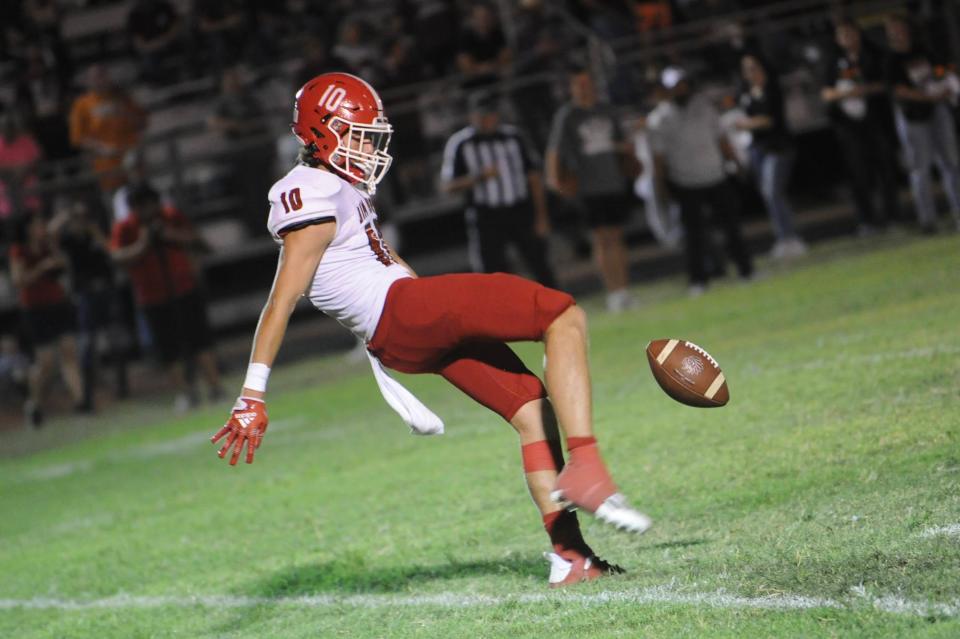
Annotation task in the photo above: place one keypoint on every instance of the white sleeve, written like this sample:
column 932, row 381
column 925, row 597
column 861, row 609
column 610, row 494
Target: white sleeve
column 295, row 204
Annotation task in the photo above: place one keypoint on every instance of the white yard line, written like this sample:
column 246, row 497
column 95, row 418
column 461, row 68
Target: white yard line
column 654, row 595
column 952, row 530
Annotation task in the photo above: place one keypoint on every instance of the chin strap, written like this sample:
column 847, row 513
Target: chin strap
column 420, row 419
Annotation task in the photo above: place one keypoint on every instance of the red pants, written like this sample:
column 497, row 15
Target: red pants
column 457, row 326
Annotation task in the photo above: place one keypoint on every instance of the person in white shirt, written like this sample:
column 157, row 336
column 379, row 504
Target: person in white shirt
column 690, row 152
column 456, row 325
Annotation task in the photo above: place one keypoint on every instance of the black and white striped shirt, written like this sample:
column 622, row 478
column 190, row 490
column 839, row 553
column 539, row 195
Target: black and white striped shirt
column 469, row 152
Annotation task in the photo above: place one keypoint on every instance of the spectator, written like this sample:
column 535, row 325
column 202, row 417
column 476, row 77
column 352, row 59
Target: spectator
column 411, row 175
column 531, row 19
column 855, row 90
column 19, row 155
column 612, row 21
column 534, row 100
column 222, row 29
column 41, row 21
column 661, row 213
column 42, row 92
column 239, row 119
column 46, row 315
column 483, row 52
column 495, row 164
column 153, row 243
column 435, row 25
column 924, row 123
column 690, row 152
column 86, row 249
column 106, row 122
column 771, row 151
column 589, row 157
column 155, row 30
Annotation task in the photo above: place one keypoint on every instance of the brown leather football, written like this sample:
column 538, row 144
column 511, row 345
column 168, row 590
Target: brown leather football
column 687, row 373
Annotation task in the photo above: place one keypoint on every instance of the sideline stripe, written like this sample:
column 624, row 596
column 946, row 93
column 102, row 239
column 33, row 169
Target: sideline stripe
column 654, row 595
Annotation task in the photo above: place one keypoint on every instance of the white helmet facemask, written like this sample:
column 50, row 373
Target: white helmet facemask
column 352, row 138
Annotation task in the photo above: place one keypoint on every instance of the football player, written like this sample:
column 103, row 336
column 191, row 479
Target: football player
column 454, row 325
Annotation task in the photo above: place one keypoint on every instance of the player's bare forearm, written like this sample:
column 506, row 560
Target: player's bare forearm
column 270, row 332
column 299, row 258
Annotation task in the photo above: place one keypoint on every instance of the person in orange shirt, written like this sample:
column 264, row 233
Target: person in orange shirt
column 106, row 122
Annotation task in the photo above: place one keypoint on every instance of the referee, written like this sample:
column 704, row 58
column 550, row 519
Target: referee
column 495, row 164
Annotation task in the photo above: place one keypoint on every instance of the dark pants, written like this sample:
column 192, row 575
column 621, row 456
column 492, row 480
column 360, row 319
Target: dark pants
column 724, row 206
column 98, row 311
column 870, row 160
column 490, row 230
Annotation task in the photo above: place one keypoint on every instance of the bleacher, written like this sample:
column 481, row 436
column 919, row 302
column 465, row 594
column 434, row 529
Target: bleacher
column 188, row 161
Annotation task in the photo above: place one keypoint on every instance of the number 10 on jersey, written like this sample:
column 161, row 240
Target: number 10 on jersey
column 291, row 200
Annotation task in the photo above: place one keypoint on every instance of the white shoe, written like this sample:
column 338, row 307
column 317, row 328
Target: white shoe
column 620, row 301
column 577, row 568
column 617, row 512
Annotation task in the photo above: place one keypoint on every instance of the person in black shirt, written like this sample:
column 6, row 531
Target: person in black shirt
column 926, row 130
column 495, row 164
column 771, row 151
column 856, row 95
column 154, row 28
column 222, row 28
column 85, row 248
column 483, row 50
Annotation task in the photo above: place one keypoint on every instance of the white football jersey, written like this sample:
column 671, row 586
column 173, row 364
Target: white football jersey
column 356, row 270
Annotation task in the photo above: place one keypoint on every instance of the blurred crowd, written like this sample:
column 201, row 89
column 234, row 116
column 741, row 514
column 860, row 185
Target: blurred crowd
column 108, row 271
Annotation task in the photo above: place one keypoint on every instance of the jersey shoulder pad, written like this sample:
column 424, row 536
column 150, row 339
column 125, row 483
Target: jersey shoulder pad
column 303, row 196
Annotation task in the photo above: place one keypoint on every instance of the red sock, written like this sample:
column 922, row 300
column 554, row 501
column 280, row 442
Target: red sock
column 542, row 455
column 576, row 442
column 564, row 531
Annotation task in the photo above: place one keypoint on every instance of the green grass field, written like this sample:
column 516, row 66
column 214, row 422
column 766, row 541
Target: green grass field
column 818, row 503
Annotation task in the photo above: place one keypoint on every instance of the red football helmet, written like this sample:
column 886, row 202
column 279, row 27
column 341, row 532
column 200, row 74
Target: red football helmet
column 339, row 119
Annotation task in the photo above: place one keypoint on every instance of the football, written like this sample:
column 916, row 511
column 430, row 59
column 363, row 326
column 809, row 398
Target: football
column 687, row 373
